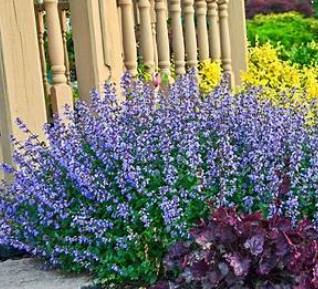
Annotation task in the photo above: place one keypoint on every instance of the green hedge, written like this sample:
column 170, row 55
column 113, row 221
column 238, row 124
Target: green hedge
column 295, row 34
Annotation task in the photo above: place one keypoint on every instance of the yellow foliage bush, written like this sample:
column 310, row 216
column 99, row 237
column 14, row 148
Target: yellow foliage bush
column 210, row 73
column 283, row 83
column 280, row 79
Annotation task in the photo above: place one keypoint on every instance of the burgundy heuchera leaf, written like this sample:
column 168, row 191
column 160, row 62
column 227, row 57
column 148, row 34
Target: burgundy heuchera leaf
column 249, row 251
column 240, row 265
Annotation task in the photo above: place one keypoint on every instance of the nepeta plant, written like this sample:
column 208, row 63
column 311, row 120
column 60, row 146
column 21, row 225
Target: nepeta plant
column 119, row 183
column 245, row 251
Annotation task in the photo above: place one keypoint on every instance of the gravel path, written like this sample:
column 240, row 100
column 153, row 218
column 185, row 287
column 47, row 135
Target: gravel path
column 27, row 274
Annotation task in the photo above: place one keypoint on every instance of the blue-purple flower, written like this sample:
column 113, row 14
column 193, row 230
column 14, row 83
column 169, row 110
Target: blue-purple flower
column 119, row 182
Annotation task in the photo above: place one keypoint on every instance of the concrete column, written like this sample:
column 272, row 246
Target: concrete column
column 21, row 86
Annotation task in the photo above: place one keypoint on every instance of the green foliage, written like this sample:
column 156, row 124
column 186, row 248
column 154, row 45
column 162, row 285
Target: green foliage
column 315, row 5
column 143, row 71
column 294, row 35
column 304, row 53
column 286, row 29
column 156, row 78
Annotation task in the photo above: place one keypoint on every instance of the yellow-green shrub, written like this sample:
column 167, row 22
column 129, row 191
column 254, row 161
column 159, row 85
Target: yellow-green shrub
column 280, row 78
column 283, row 82
column 210, row 73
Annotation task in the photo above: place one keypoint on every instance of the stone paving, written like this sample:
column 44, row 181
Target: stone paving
column 27, row 274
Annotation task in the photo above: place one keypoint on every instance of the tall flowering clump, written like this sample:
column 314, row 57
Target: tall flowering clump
column 119, row 183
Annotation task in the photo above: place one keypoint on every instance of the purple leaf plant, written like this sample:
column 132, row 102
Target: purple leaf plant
column 233, row 250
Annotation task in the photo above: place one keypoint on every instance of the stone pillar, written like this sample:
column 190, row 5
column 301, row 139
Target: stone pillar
column 97, row 42
column 21, row 86
column 237, row 23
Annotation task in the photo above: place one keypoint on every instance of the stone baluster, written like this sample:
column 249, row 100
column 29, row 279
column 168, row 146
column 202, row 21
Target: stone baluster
column 162, row 36
column 146, row 42
column 225, row 39
column 129, row 37
column 190, row 34
column 203, row 38
column 153, row 30
column 63, row 20
column 136, row 13
column 214, row 31
column 136, row 19
column 177, row 38
column 61, row 92
column 41, row 30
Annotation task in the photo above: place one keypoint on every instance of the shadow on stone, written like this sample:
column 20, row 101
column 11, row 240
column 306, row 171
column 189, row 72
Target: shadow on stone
column 7, row 252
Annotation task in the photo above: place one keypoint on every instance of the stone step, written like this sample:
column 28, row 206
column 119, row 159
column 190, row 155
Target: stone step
column 27, row 274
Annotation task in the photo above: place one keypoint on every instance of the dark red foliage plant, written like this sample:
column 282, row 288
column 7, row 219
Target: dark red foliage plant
column 254, row 7
column 245, row 251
